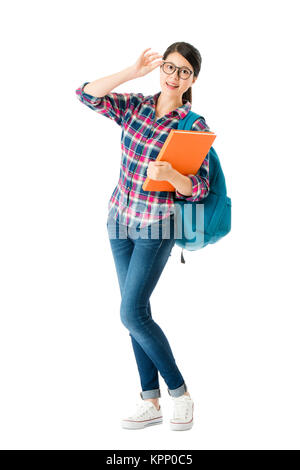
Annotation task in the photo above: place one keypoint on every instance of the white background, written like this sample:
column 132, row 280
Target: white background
column 231, row 313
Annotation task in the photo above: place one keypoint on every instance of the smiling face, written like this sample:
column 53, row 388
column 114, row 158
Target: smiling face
column 182, row 84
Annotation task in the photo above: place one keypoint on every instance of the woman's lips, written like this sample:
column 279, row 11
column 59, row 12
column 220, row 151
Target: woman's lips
column 171, row 87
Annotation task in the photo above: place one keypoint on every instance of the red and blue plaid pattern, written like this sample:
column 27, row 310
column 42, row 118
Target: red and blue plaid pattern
column 141, row 141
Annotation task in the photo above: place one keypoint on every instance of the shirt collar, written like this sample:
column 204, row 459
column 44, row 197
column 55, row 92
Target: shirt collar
column 181, row 111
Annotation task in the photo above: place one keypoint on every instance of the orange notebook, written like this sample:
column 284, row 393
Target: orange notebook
column 185, row 150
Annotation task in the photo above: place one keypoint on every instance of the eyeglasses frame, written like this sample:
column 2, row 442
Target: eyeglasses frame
column 179, row 68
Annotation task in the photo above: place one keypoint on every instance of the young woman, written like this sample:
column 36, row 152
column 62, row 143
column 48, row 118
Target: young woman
column 134, row 215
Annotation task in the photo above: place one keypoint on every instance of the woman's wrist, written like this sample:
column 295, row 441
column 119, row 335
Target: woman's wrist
column 183, row 184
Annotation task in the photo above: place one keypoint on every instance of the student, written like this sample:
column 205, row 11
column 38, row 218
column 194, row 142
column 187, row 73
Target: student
column 134, row 214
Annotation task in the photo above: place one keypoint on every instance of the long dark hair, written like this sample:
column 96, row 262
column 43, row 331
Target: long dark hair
column 191, row 54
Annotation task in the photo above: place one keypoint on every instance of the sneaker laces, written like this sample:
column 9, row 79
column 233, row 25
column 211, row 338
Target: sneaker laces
column 143, row 409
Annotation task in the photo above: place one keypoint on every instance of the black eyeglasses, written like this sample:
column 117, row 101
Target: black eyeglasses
column 183, row 72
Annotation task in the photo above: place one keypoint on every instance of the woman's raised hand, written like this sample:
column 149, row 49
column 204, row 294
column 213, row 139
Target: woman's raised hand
column 146, row 64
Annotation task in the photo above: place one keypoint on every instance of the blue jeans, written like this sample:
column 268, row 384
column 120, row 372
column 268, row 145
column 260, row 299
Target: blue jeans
column 140, row 255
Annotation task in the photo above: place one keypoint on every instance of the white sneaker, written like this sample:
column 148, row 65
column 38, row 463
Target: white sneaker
column 146, row 414
column 182, row 414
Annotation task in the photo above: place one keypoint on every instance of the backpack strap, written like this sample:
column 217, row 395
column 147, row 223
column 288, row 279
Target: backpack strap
column 187, row 123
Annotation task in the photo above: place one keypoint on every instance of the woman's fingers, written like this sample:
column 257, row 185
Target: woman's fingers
column 154, row 55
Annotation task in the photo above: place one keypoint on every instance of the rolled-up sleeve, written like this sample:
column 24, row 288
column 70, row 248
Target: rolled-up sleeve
column 200, row 181
column 113, row 105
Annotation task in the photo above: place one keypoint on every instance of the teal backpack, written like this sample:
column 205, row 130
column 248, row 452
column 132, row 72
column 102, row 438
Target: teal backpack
column 207, row 221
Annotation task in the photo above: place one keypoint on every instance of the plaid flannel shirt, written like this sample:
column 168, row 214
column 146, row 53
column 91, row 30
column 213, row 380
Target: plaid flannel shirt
column 141, row 141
